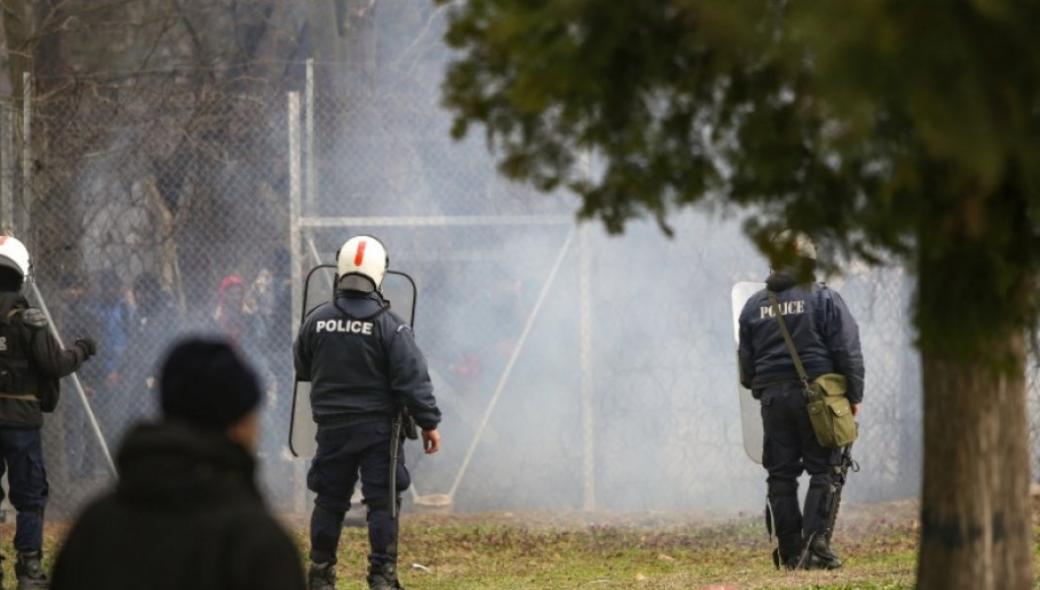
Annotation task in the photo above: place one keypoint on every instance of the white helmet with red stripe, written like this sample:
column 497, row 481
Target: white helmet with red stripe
column 361, row 264
column 14, row 255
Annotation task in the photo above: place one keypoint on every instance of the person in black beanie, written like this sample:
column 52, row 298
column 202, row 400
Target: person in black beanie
column 186, row 512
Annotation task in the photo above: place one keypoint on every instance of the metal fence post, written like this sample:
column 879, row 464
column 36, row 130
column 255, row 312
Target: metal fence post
column 588, row 421
column 295, row 244
column 296, row 255
column 7, row 224
column 27, row 156
column 308, row 137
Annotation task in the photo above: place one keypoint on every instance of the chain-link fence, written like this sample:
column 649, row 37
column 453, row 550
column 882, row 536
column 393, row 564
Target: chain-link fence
column 574, row 370
column 151, row 209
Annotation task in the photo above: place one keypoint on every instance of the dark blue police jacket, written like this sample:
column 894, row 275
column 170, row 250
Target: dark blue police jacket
column 362, row 360
column 823, row 330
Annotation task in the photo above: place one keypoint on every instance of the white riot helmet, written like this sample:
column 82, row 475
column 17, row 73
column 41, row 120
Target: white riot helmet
column 15, row 256
column 361, row 264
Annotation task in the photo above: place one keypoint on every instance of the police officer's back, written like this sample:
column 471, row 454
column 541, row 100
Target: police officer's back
column 31, row 362
column 827, row 341
column 363, row 365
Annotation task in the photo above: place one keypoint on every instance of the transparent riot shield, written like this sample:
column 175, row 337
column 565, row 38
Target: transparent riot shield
column 750, row 416
column 398, row 288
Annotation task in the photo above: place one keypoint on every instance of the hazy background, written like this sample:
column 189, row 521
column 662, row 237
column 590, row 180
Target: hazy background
column 661, row 368
column 182, row 171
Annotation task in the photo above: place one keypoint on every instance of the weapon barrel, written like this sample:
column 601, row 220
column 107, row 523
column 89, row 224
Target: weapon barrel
column 841, row 472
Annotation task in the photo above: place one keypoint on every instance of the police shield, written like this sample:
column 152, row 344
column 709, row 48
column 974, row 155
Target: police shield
column 398, row 288
column 750, row 417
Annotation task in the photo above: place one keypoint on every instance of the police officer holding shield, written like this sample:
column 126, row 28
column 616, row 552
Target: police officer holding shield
column 364, row 367
column 826, row 338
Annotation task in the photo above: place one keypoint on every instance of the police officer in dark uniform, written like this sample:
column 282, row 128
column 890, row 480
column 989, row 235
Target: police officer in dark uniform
column 827, row 340
column 363, row 365
column 31, row 362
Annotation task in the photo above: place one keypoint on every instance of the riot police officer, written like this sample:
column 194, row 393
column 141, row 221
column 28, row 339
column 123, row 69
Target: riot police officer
column 827, row 341
column 364, row 366
column 31, row 362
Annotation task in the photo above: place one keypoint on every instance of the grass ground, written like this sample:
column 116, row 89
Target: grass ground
column 604, row 551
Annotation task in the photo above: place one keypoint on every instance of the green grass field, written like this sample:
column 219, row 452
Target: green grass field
column 612, row 551
column 609, row 551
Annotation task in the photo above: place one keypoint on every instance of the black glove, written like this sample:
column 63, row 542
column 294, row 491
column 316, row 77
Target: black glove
column 87, row 347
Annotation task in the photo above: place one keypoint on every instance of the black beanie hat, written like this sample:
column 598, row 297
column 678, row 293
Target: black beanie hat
column 204, row 382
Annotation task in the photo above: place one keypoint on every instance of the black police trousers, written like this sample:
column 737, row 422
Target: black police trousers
column 344, row 453
column 790, row 448
column 21, row 455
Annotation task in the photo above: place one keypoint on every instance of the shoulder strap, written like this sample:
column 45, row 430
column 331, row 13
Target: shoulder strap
column 775, row 306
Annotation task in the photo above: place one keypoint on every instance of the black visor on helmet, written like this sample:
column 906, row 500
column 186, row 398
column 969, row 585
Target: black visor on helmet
column 6, row 262
column 356, row 281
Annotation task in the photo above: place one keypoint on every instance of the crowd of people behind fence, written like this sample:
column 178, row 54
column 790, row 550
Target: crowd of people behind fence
column 139, row 317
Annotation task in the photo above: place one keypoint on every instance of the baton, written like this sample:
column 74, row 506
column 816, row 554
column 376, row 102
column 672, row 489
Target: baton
column 395, row 450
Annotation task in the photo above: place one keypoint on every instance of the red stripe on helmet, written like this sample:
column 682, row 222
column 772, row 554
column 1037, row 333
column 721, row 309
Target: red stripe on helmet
column 360, row 256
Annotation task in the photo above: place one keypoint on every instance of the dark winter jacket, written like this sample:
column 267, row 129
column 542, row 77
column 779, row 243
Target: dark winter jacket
column 31, row 362
column 362, row 360
column 823, row 330
column 185, row 515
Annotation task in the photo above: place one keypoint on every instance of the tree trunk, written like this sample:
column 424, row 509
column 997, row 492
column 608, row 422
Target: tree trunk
column 975, row 511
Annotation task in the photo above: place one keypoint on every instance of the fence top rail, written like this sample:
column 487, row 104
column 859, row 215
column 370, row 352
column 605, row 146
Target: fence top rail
column 431, row 221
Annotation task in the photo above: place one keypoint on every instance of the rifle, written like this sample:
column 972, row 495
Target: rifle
column 839, row 473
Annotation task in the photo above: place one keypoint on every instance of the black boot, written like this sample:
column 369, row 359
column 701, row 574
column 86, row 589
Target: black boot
column 788, row 563
column 820, row 556
column 787, row 522
column 383, row 577
column 29, row 571
column 322, row 576
column 789, row 551
column 817, row 502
